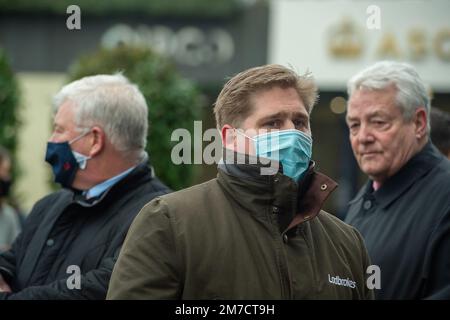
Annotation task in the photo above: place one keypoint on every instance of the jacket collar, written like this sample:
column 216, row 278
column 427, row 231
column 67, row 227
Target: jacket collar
column 419, row 165
column 255, row 192
column 142, row 173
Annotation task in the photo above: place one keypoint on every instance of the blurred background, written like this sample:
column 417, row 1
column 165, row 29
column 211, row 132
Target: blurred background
column 181, row 52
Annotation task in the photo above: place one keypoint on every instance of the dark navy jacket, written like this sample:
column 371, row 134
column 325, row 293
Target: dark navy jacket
column 406, row 227
column 65, row 231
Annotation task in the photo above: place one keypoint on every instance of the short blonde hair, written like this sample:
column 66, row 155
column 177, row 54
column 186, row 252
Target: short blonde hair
column 233, row 105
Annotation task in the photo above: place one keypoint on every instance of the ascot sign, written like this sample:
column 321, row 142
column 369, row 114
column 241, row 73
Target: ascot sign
column 346, row 41
column 336, row 39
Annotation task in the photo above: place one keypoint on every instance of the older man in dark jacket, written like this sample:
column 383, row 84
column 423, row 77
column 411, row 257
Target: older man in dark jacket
column 256, row 231
column 72, row 237
column 403, row 211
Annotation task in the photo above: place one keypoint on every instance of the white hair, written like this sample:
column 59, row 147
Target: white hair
column 411, row 90
column 114, row 104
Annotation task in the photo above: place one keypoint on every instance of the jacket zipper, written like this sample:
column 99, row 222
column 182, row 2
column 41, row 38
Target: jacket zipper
column 280, row 257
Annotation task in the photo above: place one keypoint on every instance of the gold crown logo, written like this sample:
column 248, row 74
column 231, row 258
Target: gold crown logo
column 345, row 40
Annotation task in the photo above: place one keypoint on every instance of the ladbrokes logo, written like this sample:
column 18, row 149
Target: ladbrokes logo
column 341, row 282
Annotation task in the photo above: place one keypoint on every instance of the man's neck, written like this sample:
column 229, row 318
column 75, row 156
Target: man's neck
column 101, row 172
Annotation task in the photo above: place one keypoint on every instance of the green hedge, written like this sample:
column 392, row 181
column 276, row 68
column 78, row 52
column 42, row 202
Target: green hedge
column 174, row 102
column 9, row 108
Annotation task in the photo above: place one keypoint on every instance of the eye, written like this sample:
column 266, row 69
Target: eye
column 353, row 127
column 301, row 123
column 58, row 129
column 272, row 124
column 379, row 123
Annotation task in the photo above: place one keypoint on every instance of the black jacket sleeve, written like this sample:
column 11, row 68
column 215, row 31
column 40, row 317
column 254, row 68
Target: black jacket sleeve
column 437, row 262
column 93, row 286
column 8, row 260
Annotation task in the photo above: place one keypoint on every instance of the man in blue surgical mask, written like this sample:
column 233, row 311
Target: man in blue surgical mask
column 256, row 231
column 71, row 238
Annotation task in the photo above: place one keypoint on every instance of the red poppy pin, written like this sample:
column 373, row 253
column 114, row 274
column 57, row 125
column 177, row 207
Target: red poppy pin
column 66, row 166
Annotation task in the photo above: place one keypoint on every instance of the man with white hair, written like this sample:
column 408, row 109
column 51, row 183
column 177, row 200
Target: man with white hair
column 71, row 238
column 403, row 212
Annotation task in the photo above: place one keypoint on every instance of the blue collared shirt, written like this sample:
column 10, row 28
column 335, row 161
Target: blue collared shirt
column 97, row 190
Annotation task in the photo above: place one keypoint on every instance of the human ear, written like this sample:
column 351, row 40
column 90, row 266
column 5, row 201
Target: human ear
column 228, row 136
column 420, row 121
column 98, row 140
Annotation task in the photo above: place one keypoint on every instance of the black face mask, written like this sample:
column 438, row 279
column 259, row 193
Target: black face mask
column 5, row 186
column 63, row 162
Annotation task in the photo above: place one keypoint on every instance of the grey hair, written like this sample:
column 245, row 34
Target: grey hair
column 411, row 90
column 114, row 104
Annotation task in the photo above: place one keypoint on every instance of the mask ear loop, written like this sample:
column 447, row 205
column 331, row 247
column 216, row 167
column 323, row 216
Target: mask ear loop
column 240, row 131
column 79, row 137
column 80, row 158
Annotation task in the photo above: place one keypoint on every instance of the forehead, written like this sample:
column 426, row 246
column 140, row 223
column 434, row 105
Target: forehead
column 275, row 100
column 65, row 114
column 365, row 102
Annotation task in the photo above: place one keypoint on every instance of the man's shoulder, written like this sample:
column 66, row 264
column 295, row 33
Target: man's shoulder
column 199, row 190
column 48, row 205
column 53, row 198
column 156, row 186
column 184, row 207
column 441, row 173
column 185, row 201
column 141, row 181
column 193, row 198
column 435, row 184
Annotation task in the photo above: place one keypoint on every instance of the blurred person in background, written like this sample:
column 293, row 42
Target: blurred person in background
column 10, row 224
column 403, row 211
column 72, row 237
column 440, row 130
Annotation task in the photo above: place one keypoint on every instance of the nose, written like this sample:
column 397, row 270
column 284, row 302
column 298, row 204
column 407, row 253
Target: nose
column 365, row 134
column 288, row 124
column 52, row 138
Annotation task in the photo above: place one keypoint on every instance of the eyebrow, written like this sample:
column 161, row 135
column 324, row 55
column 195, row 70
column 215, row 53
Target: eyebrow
column 57, row 126
column 370, row 115
column 283, row 115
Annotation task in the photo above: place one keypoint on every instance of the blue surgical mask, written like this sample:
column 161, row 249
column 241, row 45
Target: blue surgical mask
column 292, row 148
column 64, row 161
